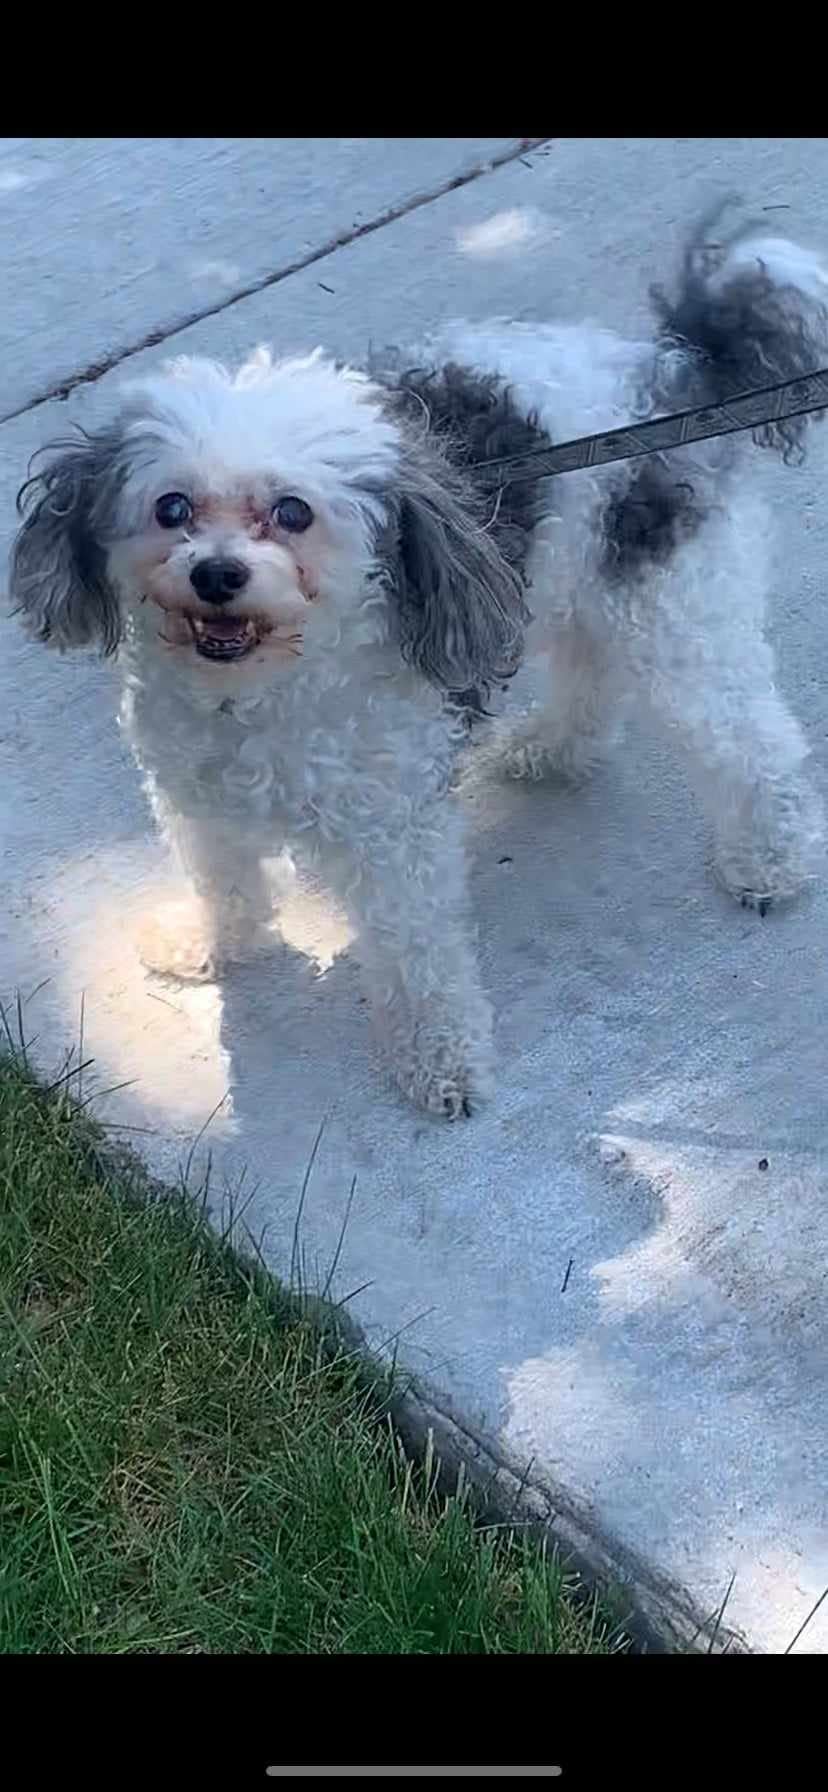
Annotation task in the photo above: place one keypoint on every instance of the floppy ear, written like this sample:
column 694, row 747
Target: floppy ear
column 58, row 565
column 460, row 605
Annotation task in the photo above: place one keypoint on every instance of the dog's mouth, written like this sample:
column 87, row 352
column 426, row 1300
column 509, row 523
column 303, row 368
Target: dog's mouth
column 226, row 637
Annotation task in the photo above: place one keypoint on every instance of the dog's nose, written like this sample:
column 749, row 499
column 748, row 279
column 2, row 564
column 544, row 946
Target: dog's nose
column 217, row 580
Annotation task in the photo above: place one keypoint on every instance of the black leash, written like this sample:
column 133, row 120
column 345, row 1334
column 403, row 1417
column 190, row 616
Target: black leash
column 748, row 410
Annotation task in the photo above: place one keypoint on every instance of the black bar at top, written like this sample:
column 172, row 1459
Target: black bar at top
column 421, row 1773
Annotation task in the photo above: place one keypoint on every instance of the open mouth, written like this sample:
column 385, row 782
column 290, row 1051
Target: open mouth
column 225, row 638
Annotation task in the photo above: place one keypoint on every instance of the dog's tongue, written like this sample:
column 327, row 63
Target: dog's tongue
column 225, row 628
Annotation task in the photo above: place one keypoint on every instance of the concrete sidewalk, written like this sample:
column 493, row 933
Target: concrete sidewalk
column 611, row 1285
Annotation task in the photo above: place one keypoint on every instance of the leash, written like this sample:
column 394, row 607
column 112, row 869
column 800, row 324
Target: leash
column 748, row 410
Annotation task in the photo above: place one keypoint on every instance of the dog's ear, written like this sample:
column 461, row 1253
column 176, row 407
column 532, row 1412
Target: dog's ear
column 461, row 613
column 58, row 565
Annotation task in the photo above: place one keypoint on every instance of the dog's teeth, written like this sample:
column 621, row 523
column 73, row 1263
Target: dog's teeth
column 198, row 626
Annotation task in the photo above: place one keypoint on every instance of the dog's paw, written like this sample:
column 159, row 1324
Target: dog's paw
column 439, row 1052
column 759, row 900
column 779, row 855
column 778, row 878
column 174, row 941
column 530, row 758
column 450, row 1086
column 452, row 1097
column 761, row 894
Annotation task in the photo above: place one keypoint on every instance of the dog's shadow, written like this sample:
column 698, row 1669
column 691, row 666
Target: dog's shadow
column 599, row 933
column 562, row 939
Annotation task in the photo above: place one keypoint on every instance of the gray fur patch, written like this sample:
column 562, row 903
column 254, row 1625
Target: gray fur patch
column 646, row 522
column 474, row 419
column 463, row 532
column 58, row 563
column 714, row 340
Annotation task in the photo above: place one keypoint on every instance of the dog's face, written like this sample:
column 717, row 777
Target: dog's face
column 228, row 570
column 227, row 519
column 251, row 508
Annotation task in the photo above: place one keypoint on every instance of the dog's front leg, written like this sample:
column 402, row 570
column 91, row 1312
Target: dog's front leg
column 404, row 890
column 226, row 919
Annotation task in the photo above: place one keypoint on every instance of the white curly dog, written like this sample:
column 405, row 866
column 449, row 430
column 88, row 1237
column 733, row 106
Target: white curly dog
column 311, row 577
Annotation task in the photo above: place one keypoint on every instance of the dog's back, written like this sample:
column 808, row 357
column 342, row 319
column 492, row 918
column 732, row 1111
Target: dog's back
column 747, row 311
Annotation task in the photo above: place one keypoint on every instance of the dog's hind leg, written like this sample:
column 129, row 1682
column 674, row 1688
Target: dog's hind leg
column 747, row 752
column 708, row 673
column 571, row 722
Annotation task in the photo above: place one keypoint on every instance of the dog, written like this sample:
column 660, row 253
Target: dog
column 300, row 565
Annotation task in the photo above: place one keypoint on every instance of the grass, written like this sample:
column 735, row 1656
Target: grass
column 187, row 1464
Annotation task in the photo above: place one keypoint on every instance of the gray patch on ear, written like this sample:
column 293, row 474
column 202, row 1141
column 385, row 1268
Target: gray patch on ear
column 460, row 605
column 474, row 419
column 58, row 563
column 462, row 533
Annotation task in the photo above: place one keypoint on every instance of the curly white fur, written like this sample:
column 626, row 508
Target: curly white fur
column 320, row 731
column 685, row 638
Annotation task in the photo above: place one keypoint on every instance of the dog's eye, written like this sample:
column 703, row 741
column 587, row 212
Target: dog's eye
column 293, row 514
column 173, row 510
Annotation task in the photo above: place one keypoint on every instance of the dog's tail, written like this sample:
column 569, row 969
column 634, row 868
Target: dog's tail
column 750, row 310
